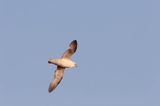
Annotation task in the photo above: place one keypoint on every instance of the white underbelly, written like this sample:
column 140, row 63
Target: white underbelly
column 65, row 63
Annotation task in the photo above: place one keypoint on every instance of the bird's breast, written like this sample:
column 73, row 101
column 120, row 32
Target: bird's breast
column 67, row 63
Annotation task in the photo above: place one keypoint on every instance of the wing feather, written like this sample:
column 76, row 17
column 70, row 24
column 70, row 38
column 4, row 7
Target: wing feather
column 58, row 75
column 71, row 50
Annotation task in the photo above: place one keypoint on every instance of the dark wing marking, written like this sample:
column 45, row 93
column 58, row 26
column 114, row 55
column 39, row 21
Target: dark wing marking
column 58, row 75
column 71, row 50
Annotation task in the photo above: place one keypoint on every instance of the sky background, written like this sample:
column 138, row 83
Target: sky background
column 118, row 53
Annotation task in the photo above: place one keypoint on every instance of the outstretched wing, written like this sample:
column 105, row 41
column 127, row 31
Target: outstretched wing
column 71, row 50
column 58, row 75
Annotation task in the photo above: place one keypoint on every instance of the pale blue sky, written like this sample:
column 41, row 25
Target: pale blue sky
column 118, row 54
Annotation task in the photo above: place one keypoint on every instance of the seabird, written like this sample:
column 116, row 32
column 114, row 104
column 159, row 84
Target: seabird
column 62, row 63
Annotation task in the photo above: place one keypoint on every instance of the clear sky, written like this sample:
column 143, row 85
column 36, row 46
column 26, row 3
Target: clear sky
column 118, row 55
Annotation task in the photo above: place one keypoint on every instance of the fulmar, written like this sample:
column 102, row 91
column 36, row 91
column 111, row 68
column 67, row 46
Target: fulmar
column 62, row 63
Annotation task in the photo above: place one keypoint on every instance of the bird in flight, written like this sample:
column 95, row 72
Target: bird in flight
column 62, row 63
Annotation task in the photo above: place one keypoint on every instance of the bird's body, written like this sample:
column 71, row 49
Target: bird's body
column 62, row 63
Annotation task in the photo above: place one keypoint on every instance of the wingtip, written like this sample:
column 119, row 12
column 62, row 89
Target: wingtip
column 74, row 41
column 50, row 89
